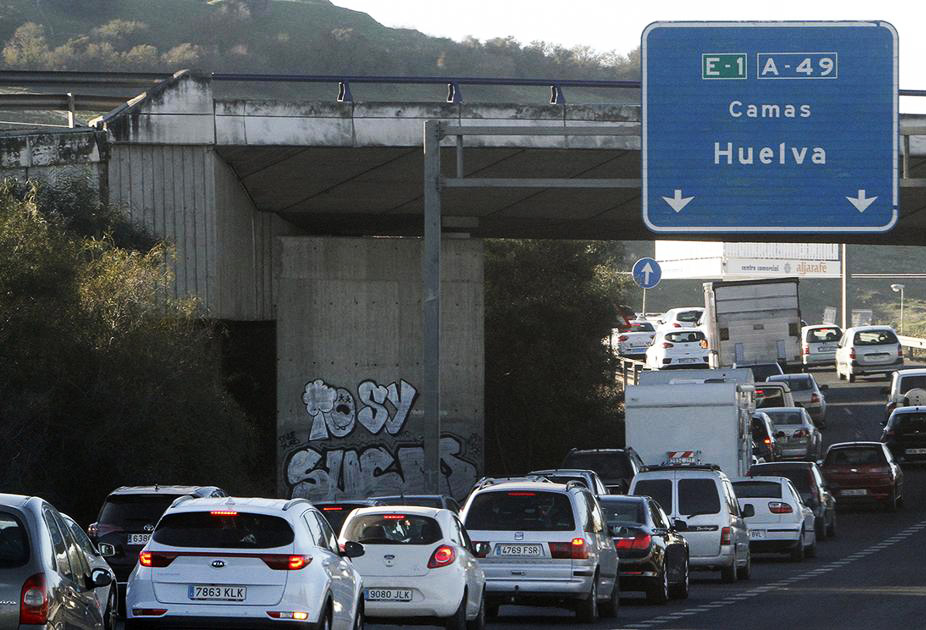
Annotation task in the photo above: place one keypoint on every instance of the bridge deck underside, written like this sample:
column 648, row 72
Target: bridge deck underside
column 378, row 191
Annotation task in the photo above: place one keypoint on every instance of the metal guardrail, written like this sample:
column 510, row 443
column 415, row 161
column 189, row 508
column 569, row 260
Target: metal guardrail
column 629, row 373
column 912, row 342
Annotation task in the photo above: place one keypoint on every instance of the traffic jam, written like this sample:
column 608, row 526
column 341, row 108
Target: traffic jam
column 723, row 460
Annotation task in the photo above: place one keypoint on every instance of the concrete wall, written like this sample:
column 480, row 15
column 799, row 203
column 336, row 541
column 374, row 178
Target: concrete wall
column 349, row 366
column 189, row 196
column 56, row 155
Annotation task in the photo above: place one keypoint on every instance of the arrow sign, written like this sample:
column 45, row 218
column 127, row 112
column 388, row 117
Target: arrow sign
column 677, row 202
column 861, row 202
column 647, row 270
column 646, row 273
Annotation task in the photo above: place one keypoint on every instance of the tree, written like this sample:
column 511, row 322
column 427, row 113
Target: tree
column 27, row 48
column 549, row 380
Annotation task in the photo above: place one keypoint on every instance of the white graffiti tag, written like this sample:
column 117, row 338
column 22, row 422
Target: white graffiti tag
column 334, row 412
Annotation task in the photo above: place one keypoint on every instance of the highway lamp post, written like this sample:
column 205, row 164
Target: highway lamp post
column 898, row 288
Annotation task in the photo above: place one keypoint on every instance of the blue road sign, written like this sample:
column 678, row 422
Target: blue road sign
column 646, row 273
column 770, row 127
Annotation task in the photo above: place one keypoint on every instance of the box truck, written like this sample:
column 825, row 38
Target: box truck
column 703, row 423
column 753, row 321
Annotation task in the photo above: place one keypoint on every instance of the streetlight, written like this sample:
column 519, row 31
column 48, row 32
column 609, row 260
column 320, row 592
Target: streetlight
column 898, row 288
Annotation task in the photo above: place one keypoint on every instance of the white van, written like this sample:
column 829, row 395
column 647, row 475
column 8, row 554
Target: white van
column 702, row 505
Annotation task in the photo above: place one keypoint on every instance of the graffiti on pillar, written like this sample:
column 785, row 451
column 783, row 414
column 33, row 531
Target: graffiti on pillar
column 380, row 457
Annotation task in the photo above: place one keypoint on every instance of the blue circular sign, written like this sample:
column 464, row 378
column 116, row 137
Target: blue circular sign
column 647, row 273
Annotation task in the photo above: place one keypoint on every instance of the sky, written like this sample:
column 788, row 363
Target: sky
column 616, row 25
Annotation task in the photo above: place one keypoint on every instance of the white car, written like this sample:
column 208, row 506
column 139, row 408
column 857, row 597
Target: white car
column 780, row 521
column 684, row 317
column 229, row 562
column 818, row 344
column 419, row 563
column 684, row 347
column 868, row 350
column 634, row 340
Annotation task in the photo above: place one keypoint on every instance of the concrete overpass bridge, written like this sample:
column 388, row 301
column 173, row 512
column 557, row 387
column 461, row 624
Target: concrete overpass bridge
column 282, row 211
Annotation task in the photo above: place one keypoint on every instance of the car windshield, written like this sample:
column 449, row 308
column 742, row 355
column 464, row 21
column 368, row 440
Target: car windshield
column 874, row 338
column 769, row 397
column 393, row 529
column 337, row 514
column 641, row 327
column 698, row 496
column 862, row 456
column 686, row 336
column 794, row 383
column 689, row 317
column 757, row 489
column 618, row 512
column 781, row 418
column 823, row 335
column 134, row 511
column 658, row 489
column 607, row 465
column 761, row 371
column 14, row 542
column 911, row 382
column 909, row 422
column 521, row 511
column 223, row 529
column 759, row 429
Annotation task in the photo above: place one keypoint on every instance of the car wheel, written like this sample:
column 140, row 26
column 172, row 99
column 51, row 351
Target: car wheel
column 359, row 617
column 811, row 551
column 850, row 377
column 609, row 608
column 479, row 623
column 745, row 572
column 680, row 590
column 587, row 610
column 797, row 554
column 492, row 611
column 728, row 574
column 658, row 593
column 831, row 530
column 820, row 528
column 892, row 502
column 326, row 620
column 112, row 611
column 457, row 621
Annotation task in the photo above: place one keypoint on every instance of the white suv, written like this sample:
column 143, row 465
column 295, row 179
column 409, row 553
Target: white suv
column 544, row 544
column 254, row 563
column 701, row 502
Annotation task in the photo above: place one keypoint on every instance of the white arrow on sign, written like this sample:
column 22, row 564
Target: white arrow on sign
column 677, row 202
column 647, row 270
column 861, row 202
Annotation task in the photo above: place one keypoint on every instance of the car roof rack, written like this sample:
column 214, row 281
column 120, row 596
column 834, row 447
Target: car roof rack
column 293, row 502
column 491, row 481
column 657, row 467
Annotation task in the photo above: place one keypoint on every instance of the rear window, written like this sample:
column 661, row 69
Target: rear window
column 873, row 456
column 689, row 336
column 762, row 371
column 393, row 529
column 658, row 489
column 134, row 511
column 337, row 514
column 823, row 335
column 780, row 418
column 641, row 327
column 909, row 422
column 794, row 383
column 564, row 479
column 619, row 512
column 689, row 317
column 759, row 430
column 874, row 338
column 239, row 530
column 607, row 465
column 799, row 477
column 769, row 397
column 911, row 382
column 521, row 511
column 757, row 489
column 698, row 496
column 14, row 542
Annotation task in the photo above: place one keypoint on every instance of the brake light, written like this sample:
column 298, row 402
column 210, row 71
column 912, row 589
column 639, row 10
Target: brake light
column 522, row 494
column 760, row 392
column 805, row 350
column 154, row 559
column 394, row 517
column 814, row 398
column 767, row 441
column 777, row 507
column 576, row 549
column 332, row 508
column 900, row 351
column 443, row 556
column 666, row 344
column 224, row 513
column 638, row 542
column 297, row 615
column 481, row 549
column 149, row 612
column 283, row 562
column 725, row 536
column 623, row 338
column 33, row 607
column 852, row 353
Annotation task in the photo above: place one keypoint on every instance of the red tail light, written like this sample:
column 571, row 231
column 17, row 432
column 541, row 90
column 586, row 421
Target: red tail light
column 297, row 615
column 852, row 353
column 283, row 562
column 900, row 351
column 149, row 612
column 666, row 344
column 394, row 517
column 224, row 513
column 33, row 607
column 767, row 441
column 805, row 350
column 155, row 559
column 814, row 398
column 576, row 549
column 623, row 338
column 777, row 507
column 443, row 556
column 332, row 508
column 725, row 536
column 522, row 494
column 482, row 549
column 638, row 542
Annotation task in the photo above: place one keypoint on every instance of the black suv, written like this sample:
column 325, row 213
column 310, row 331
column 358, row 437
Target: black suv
column 615, row 466
column 128, row 517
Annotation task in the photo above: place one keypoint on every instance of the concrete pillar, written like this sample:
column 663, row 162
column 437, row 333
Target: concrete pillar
column 349, row 344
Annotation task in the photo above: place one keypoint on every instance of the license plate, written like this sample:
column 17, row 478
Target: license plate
column 688, row 361
column 388, row 595
column 854, row 492
column 139, row 539
column 916, row 451
column 520, row 550
column 756, row 534
column 826, row 348
column 216, row 593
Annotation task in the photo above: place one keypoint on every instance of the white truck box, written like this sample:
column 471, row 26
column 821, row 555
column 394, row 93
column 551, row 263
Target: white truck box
column 753, row 321
column 705, row 423
column 689, row 377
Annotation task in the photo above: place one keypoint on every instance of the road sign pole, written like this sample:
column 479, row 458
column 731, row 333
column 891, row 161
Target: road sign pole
column 644, row 302
column 843, row 268
column 430, row 306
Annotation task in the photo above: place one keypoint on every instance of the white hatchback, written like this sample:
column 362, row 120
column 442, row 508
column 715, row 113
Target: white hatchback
column 419, row 563
column 780, row 521
column 818, row 344
column 684, row 317
column 683, row 347
column 868, row 350
column 245, row 563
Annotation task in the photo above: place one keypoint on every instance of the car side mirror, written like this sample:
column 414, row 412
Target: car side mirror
column 100, row 578
column 824, row 388
column 481, row 549
column 106, row 550
column 352, row 549
column 748, row 510
column 681, row 526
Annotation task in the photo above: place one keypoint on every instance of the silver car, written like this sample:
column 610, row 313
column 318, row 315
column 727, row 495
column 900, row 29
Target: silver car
column 107, row 596
column 806, row 394
column 546, row 544
column 45, row 579
column 796, row 433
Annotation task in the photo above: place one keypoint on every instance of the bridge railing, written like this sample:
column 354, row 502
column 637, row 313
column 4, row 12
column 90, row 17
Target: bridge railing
column 629, row 372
